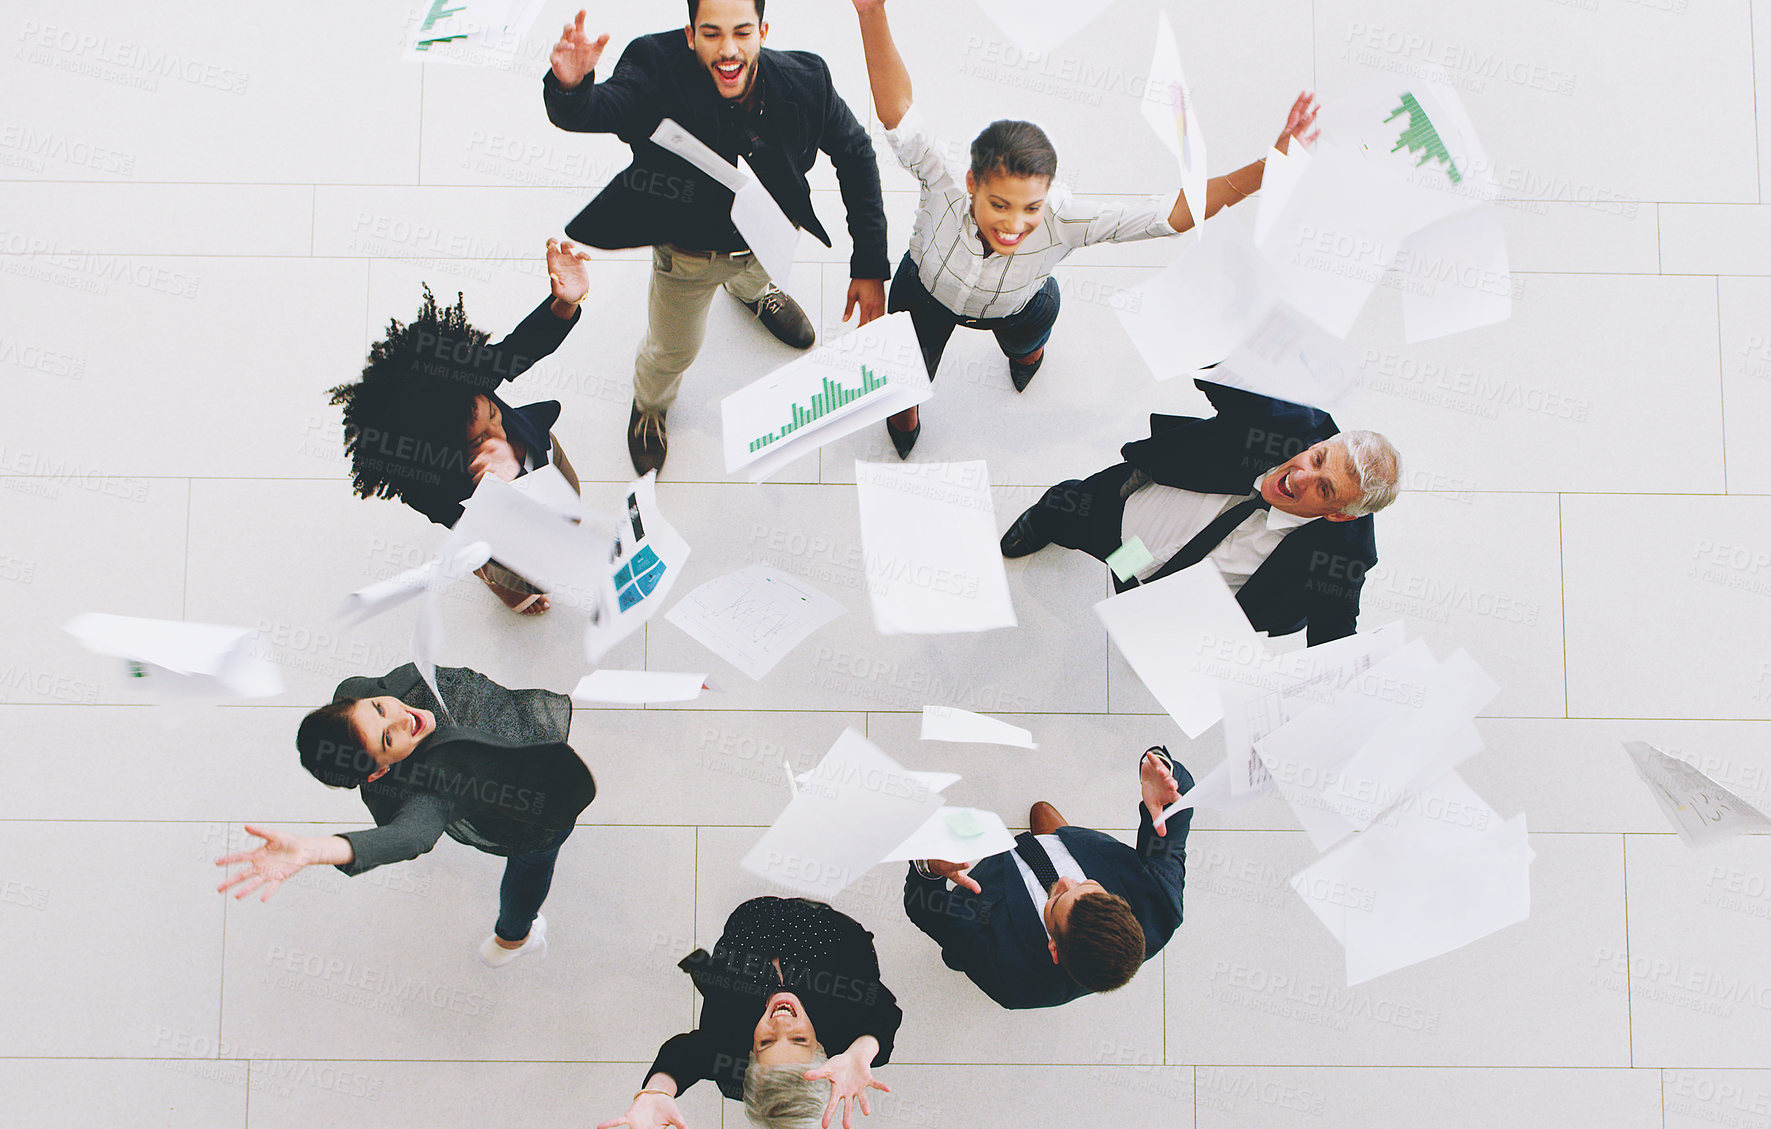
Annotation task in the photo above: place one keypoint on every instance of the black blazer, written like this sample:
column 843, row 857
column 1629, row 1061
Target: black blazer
column 661, row 198
column 501, row 778
column 827, row 960
column 998, row 939
column 1313, row 578
column 441, row 484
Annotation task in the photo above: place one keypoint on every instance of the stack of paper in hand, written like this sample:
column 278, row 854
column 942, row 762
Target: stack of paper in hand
column 178, row 660
column 859, row 808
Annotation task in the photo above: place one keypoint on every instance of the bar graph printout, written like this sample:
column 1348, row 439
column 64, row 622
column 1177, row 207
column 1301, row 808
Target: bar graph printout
column 836, row 389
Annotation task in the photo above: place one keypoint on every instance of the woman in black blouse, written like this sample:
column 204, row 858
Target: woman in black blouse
column 788, row 981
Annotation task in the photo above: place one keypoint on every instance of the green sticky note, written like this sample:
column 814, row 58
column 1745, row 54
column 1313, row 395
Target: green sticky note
column 964, row 824
column 1131, row 557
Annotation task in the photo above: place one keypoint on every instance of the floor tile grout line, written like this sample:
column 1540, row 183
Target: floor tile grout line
column 1562, row 584
column 1629, row 994
column 1752, row 54
column 184, row 595
column 1721, row 385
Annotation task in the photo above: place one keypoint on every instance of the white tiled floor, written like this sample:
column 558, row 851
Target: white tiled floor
column 207, row 214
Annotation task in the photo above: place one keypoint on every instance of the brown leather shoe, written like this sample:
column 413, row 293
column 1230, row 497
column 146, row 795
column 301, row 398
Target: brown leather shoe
column 782, row 316
column 647, row 440
column 1043, row 819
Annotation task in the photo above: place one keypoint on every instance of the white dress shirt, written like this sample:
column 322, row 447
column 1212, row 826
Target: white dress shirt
column 1165, row 518
column 975, row 282
column 1062, row 861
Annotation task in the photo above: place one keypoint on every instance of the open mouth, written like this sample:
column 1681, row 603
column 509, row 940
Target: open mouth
column 419, row 725
column 729, row 72
column 1284, row 487
column 1007, row 240
column 784, row 1008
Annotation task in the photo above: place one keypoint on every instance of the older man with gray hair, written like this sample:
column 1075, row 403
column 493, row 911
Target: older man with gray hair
column 1273, row 493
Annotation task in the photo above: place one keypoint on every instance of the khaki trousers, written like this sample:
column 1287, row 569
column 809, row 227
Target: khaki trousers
column 682, row 288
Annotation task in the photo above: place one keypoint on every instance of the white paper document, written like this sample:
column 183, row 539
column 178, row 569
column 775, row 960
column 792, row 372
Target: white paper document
column 956, row 835
column 947, row 723
column 1455, row 276
column 452, row 562
column 851, row 812
column 753, row 617
column 1289, row 357
column 633, row 585
column 482, row 33
column 1200, row 307
column 835, row 390
column 1037, row 27
column 637, row 687
column 1182, row 635
column 771, row 236
column 178, row 660
column 933, row 559
column 1168, row 107
column 1445, row 871
column 1700, row 810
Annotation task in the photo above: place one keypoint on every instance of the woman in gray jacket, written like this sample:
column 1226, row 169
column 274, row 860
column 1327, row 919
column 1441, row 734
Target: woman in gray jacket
column 493, row 771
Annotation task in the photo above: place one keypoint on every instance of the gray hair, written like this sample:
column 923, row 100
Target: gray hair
column 779, row 1097
column 1376, row 465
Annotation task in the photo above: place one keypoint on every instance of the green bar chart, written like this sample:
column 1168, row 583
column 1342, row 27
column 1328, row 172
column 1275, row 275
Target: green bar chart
column 832, row 397
column 1421, row 137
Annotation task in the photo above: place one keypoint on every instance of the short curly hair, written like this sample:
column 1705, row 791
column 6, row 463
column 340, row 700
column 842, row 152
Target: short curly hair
column 406, row 420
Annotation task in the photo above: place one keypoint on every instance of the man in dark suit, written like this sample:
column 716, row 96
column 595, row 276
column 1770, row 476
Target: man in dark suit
column 1273, row 493
column 776, row 109
column 1069, row 911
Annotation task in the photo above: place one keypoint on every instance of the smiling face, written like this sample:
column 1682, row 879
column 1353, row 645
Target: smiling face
column 727, row 36
column 389, row 729
column 1007, row 209
column 784, row 1034
column 487, row 422
column 1318, row 482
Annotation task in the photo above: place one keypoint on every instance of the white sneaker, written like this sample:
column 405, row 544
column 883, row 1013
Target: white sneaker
column 494, row 955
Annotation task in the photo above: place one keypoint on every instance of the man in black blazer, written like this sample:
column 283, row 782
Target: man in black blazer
column 1272, row 492
column 1106, row 908
column 776, row 109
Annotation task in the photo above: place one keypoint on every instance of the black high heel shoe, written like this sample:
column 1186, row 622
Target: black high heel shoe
column 903, row 441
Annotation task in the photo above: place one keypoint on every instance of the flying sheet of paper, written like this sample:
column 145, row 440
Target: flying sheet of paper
column 637, row 687
column 1181, row 635
column 946, row 723
column 1204, row 304
column 957, row 835
column 484, row 33
column 1294, row 682
column 178, row 660
column 452, row 562
column 1289, row 357
column 1455, row 275
column 834, row 390
column 1168, row 107
column 1700, row 809
column 928, row 537
column 933, row 781
column 1387, row 731
column 1039, row 26
column 1446, row 872
column 771, row 236
column 634, row 584
column 856, row 806
column 1415, row 132
column 1283, row 171
column 538, row 542
column 753, row 617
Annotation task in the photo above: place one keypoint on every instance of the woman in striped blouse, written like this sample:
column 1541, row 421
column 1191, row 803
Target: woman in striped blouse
column 984, row 247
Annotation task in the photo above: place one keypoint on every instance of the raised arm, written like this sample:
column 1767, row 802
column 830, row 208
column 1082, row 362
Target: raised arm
column 576, row 101
column 1222, row 191
column 886, row 72
column 653, row 1107
column 1162, row 847
column 279, row 858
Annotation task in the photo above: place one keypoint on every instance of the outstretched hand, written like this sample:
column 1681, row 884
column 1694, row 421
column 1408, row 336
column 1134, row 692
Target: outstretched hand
column 956, row 871
column 269, row 866
column 869, row 296
column 1160, row 789
column 1300, row 122
column 649, row 1111
column 850, row 1079
column 565, row 270
column 862, row 7
column 576, row 54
